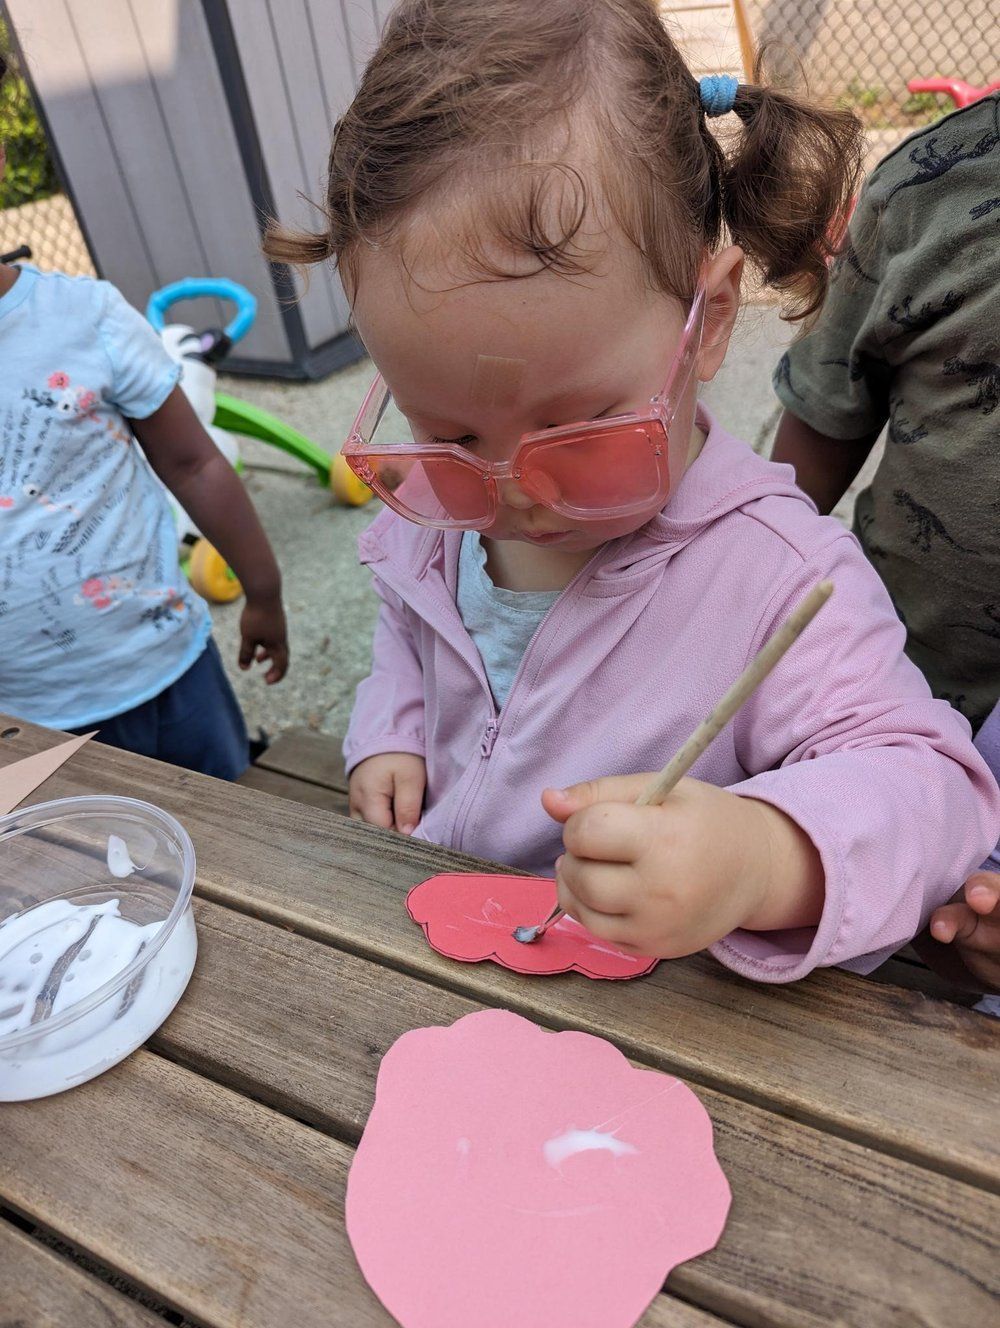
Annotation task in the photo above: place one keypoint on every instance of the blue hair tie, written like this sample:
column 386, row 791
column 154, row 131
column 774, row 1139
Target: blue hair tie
column 718, row 93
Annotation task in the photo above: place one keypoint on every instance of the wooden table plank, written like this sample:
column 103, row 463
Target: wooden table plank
column 42, row 1290
column 821, row 1230
column 227, row 1210
column 315, row 757
column 297, row 790
column 890, row 1068
column 149, row 1168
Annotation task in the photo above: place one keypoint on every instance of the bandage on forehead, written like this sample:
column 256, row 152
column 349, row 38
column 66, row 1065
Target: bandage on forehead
column 496, row 381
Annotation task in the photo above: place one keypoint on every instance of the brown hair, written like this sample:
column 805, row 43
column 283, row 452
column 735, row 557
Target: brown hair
column 462, row 96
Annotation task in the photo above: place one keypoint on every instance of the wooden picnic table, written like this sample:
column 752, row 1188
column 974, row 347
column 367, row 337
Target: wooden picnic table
column 856, row 1121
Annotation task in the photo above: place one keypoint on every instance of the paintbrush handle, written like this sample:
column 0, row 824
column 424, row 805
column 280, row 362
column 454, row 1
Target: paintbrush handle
column 744, row 686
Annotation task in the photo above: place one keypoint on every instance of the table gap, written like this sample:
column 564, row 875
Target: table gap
column 85, row 1262
column 248, row 1088
column 691, row 1075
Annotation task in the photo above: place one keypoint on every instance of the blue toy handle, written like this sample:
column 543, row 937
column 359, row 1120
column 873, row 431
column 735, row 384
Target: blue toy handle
column 191, row 288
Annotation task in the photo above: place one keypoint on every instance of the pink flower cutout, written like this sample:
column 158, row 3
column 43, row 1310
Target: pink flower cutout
column 6, row 502
column 471, row 918
column 58, row 379
column 86, row 400
column 101, row 601
column 92, row 587
column 512, row 1176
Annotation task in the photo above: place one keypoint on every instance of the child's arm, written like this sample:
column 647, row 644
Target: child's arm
column 860, row 770
column 834, row 380
column 824, row 466
column 384, row 747
column 206, row 486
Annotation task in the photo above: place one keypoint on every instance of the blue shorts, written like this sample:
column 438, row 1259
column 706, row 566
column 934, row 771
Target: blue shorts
column 195, row 723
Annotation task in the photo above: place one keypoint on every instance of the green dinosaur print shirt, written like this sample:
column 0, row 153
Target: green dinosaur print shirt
column 910, row 337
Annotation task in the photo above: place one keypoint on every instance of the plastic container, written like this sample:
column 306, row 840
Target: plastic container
column 97, row 937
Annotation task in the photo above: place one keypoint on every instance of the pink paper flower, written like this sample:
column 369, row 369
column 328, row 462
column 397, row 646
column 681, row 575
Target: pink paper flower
column 58, row 380
column 92, row 586
column 512, row 1176
column 470, row 918
column 86, row 400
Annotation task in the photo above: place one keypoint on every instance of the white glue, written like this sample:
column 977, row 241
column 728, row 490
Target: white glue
column 119, row 862
column 567, row 1145
column 55, row 955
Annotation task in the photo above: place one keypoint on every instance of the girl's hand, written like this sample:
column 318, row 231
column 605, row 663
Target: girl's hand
column 388, row 790
column 672, row 879
column 264, row 635
column 971, row 923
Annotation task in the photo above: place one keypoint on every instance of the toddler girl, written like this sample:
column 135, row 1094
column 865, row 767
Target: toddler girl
column 98, row 626
column 527, row 207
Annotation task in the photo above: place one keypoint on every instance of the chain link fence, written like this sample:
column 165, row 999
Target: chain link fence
column 51, row 231
column 34, row 212
column 862, row 53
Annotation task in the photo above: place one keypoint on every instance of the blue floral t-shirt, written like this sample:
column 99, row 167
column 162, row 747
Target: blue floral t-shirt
column 96, row 615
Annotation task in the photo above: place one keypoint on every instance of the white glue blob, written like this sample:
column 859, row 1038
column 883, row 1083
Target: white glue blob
column 119, row 862
column 566, row 1145
column 53, row 957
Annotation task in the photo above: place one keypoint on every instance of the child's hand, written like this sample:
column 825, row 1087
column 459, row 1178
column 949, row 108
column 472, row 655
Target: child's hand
column 971, row 922
column 388, row 790
column 672, row 879
column 264, row 635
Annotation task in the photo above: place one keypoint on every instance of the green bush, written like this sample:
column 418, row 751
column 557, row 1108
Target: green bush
column 30, row 172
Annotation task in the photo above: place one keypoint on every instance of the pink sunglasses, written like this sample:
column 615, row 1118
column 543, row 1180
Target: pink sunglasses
column 591, row 471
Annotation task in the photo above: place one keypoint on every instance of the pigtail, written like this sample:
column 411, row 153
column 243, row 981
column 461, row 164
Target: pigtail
column 297, row 248
column 787, row 186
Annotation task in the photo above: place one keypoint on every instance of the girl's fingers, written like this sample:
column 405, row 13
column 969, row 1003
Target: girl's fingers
column 954, row 922
column 562, row 803
column 609, row 832
column 376, row 809
column 982, row 892
column 279, row 665
column 944, row 922
column 600, row 887
column 408, row 801
column 607, row 926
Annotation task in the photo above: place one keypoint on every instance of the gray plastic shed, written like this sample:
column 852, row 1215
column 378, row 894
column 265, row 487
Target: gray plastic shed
column 179, row 125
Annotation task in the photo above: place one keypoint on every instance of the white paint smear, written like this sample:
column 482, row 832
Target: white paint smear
column 567, row 1145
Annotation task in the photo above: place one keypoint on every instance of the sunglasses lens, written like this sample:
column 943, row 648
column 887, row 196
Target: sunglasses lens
column 435, row 489
column 615, row 469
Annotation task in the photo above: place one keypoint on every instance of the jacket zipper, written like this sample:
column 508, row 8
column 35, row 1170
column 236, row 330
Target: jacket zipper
column 489, row 737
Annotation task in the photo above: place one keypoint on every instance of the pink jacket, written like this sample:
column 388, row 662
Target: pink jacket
column 843, row 736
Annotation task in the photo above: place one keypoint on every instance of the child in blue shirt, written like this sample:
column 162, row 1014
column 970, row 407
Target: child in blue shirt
column 98, row 625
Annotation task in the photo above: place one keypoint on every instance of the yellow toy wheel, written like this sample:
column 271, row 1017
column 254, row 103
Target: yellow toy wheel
column 346, row 486
column 211, row 575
